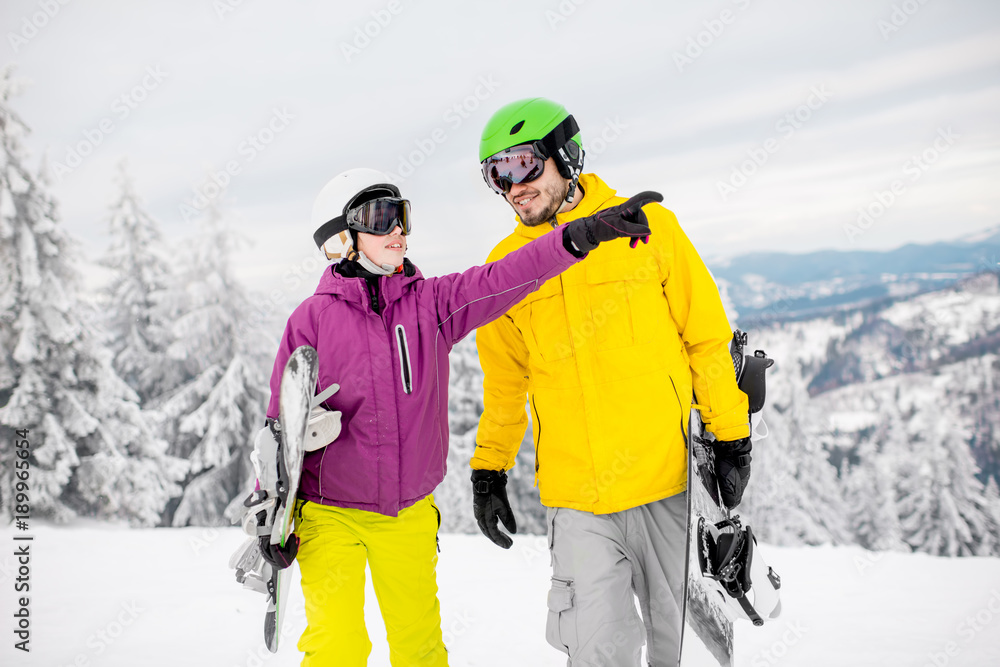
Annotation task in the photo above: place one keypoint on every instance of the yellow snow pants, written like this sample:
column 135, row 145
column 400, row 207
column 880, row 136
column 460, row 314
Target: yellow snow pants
column 401, row 552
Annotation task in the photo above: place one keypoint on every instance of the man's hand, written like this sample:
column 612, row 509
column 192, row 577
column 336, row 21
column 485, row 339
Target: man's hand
column 623, row 220
column 732, row 468
column 489, row 502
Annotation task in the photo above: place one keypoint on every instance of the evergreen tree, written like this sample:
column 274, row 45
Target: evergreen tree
column 211, row 416
column 794, row 496
column 944, row 510
column 93, row 452
column 454, row 494
column 465, row 387
column 465, row 403
column 870, row 496
column 139, row 274
column 992, row 494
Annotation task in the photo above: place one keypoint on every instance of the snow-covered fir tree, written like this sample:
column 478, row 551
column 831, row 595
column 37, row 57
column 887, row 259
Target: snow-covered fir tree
column 465, row 403
column 93, row 452
column 943, row 508
column 870, row 497
column 139, row 275
column 992, row 494
column 454, row 495
column 210, row 417
column 904, row 439
column 794, row 496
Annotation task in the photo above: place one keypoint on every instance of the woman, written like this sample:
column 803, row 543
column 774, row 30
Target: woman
column 383, row 333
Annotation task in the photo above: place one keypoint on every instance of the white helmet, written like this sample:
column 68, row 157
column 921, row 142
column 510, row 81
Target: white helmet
column 337, row 197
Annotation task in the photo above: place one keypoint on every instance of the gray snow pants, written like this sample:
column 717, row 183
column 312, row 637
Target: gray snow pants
column 598, row 562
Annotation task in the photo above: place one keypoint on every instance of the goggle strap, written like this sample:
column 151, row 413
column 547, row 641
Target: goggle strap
column 559, row 135
column 388, row 187
column 328, row 229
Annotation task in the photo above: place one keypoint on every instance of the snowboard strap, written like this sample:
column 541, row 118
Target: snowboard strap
column 752, row 381
column 775, row 582
column 729, row 548
column 730, row 552
column 750, row 371
column 750, row 611
column 325, row 394
column 257, row 502
column 323, row 424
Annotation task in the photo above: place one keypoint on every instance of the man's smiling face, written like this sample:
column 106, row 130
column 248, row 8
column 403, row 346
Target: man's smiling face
column 537, row 201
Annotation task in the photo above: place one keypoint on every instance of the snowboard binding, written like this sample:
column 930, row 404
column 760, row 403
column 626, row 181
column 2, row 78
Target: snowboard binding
column 261, row 510
column 265, row 504
column 727, row 554
column 264, row 563
column 251, row 569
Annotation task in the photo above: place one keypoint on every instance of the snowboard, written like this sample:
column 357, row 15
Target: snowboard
column 295, row 398
column 725, row 577
column 707, row 634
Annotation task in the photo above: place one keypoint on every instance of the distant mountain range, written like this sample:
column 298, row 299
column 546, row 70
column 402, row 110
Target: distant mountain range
column 783, row 286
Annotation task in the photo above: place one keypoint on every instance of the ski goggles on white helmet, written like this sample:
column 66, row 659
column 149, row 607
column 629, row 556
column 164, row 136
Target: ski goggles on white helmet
column 380, row 216
column 517, row 164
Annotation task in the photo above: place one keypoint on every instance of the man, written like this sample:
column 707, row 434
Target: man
column 608, row 355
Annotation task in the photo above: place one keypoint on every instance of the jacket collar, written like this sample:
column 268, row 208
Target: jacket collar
column 596, row 193
column 345, row 284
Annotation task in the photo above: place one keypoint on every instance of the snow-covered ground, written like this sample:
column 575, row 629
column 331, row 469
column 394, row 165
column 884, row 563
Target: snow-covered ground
column 115, row 597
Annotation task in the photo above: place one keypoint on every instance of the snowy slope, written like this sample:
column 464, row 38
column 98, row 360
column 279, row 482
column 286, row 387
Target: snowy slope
column 120, row 598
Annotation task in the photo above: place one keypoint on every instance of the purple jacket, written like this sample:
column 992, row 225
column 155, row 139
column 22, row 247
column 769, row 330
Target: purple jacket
column 392, row 368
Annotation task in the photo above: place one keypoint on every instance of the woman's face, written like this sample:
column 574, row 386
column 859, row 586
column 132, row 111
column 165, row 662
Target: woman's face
column 388, row 249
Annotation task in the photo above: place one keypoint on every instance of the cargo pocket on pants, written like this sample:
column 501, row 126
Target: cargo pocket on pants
column 560, row 628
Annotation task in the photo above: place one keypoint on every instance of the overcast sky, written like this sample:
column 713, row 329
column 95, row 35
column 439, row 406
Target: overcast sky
column 766, row 124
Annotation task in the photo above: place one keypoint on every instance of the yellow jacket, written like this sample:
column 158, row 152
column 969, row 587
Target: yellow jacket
column 608, row 353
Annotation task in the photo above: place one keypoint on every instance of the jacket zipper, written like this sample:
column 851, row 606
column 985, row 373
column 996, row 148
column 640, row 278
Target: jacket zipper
column 538, row 440
column 404, row 359
column 680, row 405
column 373, row 294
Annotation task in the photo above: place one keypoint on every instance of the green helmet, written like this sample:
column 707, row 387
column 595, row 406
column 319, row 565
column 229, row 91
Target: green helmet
column 541, row 123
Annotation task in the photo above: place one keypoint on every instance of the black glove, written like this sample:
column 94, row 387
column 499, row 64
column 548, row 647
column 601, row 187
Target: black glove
column 732, row 468
column 489, row 502
column 279, row 557
column 624, row 220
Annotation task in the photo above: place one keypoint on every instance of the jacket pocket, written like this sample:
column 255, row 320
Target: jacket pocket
column 405, row 371
column 560, row 626
column 609, row 286
column 544, row 322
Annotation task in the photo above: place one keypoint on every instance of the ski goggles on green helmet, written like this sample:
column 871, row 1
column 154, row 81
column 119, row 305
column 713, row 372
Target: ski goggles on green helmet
column 380, row 216
column 517, row 164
